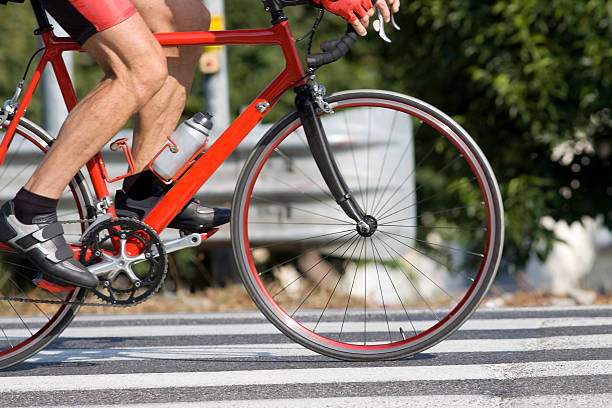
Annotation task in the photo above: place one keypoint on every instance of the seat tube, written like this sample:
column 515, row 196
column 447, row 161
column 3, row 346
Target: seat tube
column 321, row 151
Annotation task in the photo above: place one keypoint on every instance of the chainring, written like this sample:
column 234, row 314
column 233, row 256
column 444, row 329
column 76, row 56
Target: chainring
column 129, row 259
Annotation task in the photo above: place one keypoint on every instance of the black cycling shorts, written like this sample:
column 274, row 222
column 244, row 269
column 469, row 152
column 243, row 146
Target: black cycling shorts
column 83, row 18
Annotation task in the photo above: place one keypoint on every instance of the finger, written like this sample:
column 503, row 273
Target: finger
column 363, row 14
column 381, row 5
column 365, row 20
column 367, row 5
column 395, row 5
column 359, row 28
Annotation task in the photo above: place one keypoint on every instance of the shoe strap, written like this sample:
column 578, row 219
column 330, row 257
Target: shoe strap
column 54, row 233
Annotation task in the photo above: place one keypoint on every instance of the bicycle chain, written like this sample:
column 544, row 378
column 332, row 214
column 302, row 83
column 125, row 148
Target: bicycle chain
column 65, row 302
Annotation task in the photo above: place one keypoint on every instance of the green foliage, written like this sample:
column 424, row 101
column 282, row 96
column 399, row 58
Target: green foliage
column 526, row 78
column 16, row 45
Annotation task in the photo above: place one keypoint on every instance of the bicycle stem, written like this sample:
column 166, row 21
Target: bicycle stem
column 321, row 151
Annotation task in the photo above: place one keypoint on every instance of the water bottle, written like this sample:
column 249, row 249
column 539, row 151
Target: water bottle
column 187, row 141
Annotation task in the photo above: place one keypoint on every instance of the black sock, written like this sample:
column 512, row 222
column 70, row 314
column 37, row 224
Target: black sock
column 143, row 185
column 28, row 205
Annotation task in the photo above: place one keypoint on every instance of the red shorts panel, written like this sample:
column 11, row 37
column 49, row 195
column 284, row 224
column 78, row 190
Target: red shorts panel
column 104, row 14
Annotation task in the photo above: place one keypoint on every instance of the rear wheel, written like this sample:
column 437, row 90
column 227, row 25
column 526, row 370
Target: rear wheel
column 435, row 240
column 28, row 325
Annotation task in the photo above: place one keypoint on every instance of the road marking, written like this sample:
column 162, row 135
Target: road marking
column 305, row 376
column 439, row 401
column 594, row 341
column 326, row 327
column 257, row 315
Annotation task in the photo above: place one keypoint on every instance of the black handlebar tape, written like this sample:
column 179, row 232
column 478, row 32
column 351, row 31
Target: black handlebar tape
column 334, row 49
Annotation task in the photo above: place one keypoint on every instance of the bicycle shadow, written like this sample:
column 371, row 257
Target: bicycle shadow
column 189, row 357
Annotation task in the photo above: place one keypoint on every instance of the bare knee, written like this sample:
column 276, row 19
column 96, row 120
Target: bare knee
column 145, row 80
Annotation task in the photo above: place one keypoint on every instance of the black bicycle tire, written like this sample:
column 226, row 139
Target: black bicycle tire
column 66, row 313
column 269, row 309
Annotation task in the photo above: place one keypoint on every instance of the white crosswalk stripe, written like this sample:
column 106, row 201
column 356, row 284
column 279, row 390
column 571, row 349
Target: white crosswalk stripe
column 267, row 328
column 113, row 354
column 437, row 401
column 307, row 376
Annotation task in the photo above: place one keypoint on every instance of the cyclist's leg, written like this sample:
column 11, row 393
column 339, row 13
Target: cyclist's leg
column 158, row 118
column 134, row 69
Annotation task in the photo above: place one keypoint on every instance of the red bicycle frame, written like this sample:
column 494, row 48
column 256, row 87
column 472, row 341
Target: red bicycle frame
column 292, row 76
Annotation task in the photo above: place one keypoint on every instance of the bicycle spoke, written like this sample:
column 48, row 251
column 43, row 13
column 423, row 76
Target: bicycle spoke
column 350, row 293
column 365, row 292
column 433, row 213
column 399, row 162
column 419, row 187
column 386, row 247
column 6, row 337
column 356, row 242
column 387, row 215
column 463, row 251
column 279, row 243
column 351, row 144
column 368, row 160
column 20, row 318
column 321, row 280
column 299, row 209
column 382, row 296
column 19, row 173
column 384, row 159
column 394, row 288
column 412, row 265
column 297, row 256
column 10, row 158
column 403, row 155
column 434, row 227
column 294, row 165
column 308, row 270
column 23, row 293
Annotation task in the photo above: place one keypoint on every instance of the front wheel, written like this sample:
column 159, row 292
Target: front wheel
column 424, row 266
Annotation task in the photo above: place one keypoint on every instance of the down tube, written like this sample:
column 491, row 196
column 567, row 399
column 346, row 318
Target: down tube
column 208, row 163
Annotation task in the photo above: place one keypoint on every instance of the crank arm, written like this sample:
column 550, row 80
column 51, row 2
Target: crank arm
column 188, row 241
column 110, row 264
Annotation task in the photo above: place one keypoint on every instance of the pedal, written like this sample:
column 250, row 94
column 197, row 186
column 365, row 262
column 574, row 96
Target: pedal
column 50, row 286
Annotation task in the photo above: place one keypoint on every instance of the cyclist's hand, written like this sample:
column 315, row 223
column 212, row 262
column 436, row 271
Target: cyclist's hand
column 381, row 5
column 356, row 12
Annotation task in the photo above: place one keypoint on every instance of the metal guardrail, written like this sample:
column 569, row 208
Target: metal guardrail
column 219, row 189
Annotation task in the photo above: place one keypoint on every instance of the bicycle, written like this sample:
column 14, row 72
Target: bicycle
column 388, row 218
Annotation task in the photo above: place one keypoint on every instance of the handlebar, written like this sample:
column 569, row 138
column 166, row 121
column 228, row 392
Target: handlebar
column 333, row 49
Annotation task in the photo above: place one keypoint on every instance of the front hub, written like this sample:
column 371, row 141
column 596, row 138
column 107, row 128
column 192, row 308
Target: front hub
column 367, row 227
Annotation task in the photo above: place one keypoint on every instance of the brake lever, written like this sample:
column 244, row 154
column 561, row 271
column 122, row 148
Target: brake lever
column 379, row 24
column 393, row 23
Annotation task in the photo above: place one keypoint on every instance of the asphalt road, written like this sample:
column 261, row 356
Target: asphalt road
column 559, row 357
